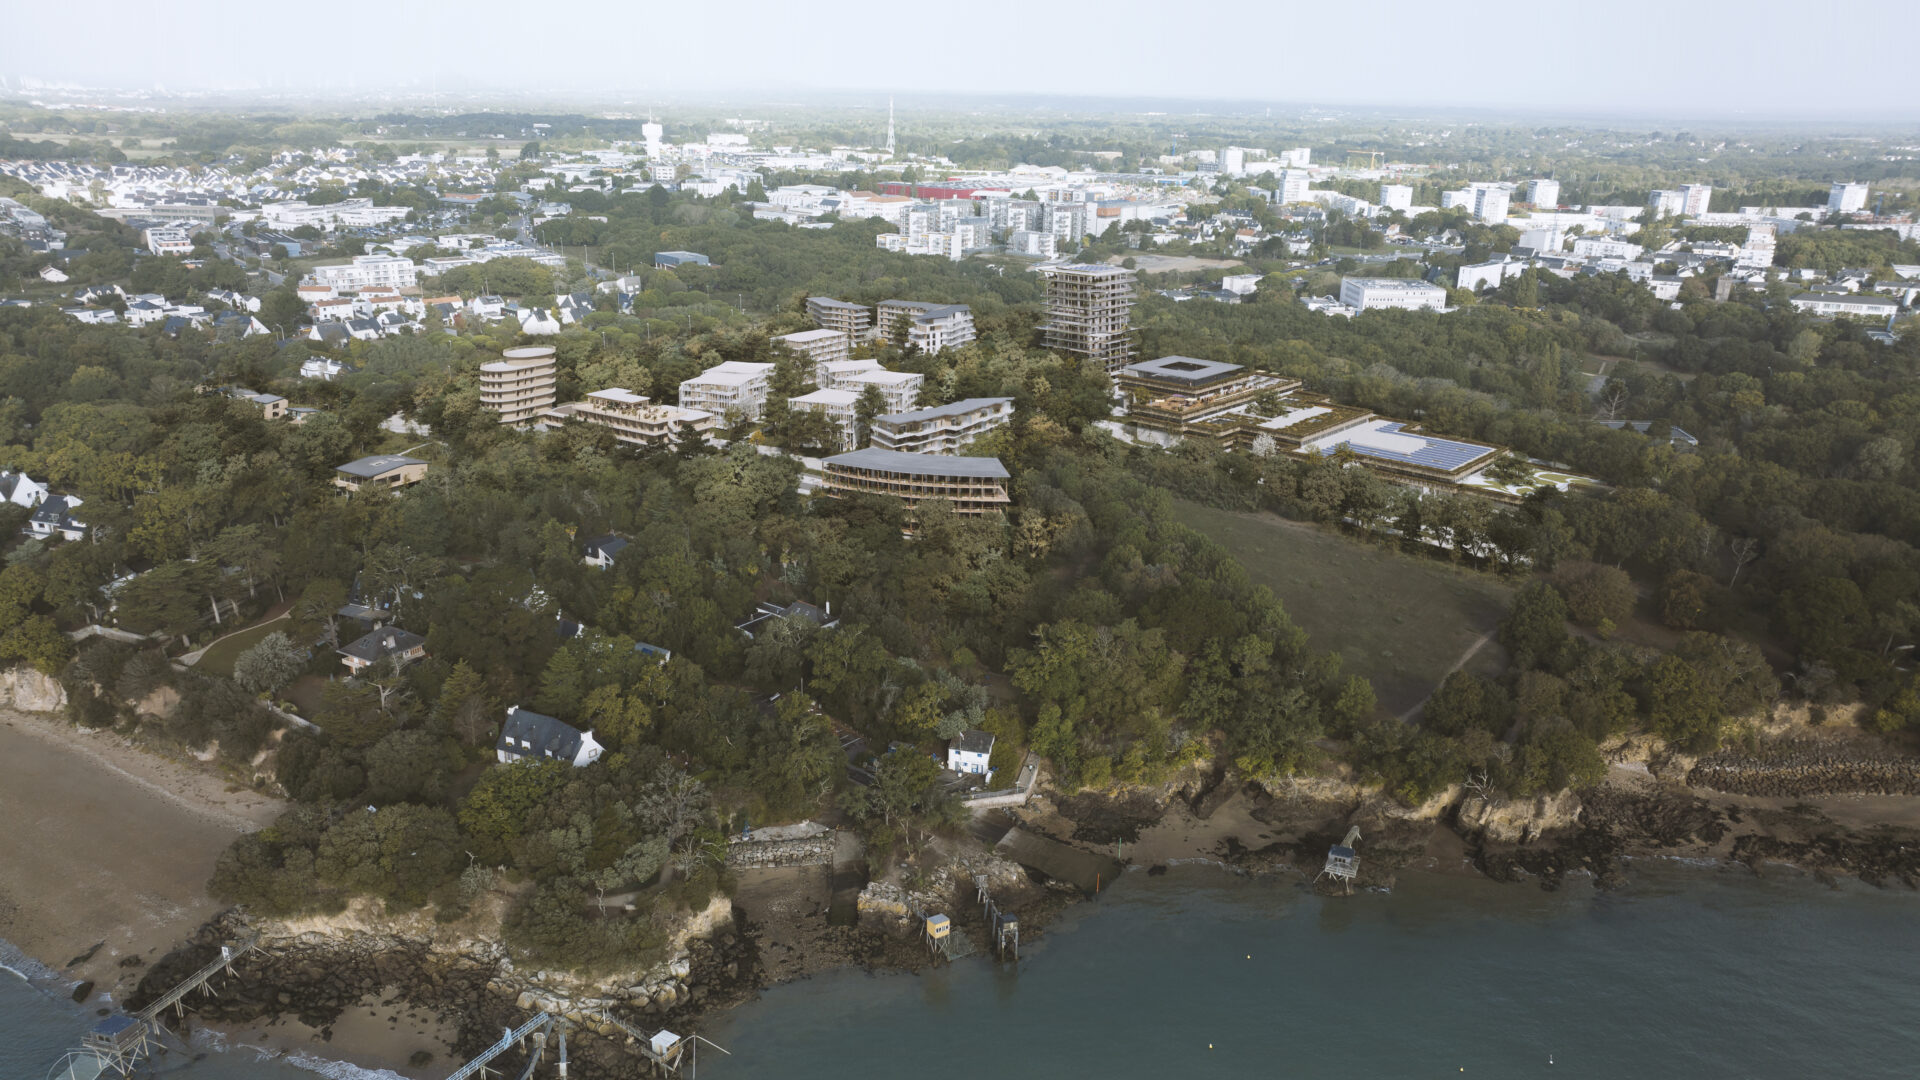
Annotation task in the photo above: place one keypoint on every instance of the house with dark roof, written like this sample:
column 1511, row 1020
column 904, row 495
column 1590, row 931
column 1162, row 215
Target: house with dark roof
column 52, row 518
column 767, row 613
column 602, row 550
column 388, row 642
column 528, row 734
column 970, row 752
column 379, row 472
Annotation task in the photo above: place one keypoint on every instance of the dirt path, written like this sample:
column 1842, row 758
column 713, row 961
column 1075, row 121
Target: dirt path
column 107, row 844
column 1407, row 717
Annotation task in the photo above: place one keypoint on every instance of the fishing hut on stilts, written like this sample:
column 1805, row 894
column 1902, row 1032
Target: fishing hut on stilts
column 1004, row 926
column 1343, row 864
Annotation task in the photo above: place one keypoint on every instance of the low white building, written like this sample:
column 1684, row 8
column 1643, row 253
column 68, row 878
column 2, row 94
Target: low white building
column 735, row 387
column 169, row 241
column 1863, row 305
column 970, row 753
column 1407, row 294
column 1605, row 247
column 393, row 271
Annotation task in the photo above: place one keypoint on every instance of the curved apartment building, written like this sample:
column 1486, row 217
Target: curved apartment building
column 520, row 385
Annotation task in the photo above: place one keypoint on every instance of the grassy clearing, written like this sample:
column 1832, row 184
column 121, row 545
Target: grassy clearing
column 1403, row 622
column 219, row 658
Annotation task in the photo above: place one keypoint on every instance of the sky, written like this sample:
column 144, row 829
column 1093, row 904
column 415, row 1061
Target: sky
column 1763, row 58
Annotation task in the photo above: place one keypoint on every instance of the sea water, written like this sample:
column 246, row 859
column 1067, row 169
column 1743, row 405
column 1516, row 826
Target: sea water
column 1687, row 972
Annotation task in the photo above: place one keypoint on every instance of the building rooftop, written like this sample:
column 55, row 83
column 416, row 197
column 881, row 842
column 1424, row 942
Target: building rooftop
column 808, row 336
column 830, row 302
column 544, row 736
column 957, row 408
column 383, row 643
column 974, row 742
column 1183, row 369
column 379, row 464
column 899, row 461
column 1386, row 441
column 827, row 397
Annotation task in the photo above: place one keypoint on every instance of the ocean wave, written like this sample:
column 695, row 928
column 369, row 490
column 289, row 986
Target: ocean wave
column 338, row 1070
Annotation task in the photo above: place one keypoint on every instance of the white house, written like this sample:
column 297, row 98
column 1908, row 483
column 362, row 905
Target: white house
column 736, row 385
column 52, row 519
column 21, row 490
column 970, row 752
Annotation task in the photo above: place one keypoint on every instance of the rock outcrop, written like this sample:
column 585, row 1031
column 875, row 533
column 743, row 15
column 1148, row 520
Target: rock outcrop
column 31, row 690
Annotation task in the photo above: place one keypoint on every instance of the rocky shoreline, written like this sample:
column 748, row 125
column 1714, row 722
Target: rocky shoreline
column 314, row 974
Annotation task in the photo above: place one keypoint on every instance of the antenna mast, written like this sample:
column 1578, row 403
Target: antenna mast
column 889, row 125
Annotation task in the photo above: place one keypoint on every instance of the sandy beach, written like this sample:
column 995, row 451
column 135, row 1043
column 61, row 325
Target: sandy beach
column 107, row 844
column 381, row 1033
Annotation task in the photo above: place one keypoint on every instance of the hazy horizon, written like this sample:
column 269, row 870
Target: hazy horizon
column 1626, row 60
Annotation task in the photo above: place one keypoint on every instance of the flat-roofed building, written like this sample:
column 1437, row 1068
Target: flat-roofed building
column 1089, row 313
column 898, row 389
column 1164, row 397
column 853, row 320
column 737, row 387
column 634, row 418
column 927, row 327
column 818, row 346
column 837, row 405
column 520, row 385
column 1391, row 448
column 380, row 472
column 974, row 485
column 1862, row 305
column 943, row 429
column 1408, row 294
column 368, row 270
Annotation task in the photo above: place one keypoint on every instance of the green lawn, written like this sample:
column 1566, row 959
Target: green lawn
column 1401, row 621
column 219, row 659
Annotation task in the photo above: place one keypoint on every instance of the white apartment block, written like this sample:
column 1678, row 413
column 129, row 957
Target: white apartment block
column 1543, row 240
column 1666, row 203
column 163, row 241
column 927, row 327
column 349, row 213
column 1407, row 294
column 633, row 418
column 1297, row 158
column 837, row 405
column 736, row 387
column 392, row 271
column 1544, row 193
column 1396, row 197
column 1845, row 198
column 899, row 388
column 818, row 346
column 1043, row 245
column 1604, row 247
column 1293, row 186
column 943, row 429
column 1695, row 199
column 1234, row 161
column 1864, row 305
column 853, row 320
column 1490, row 202
column 1757, row 252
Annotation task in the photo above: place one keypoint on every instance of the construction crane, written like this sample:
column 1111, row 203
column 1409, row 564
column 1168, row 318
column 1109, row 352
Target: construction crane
column 1369, row 159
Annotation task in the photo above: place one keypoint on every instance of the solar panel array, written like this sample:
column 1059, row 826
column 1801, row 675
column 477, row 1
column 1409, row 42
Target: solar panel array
column 1443, row 454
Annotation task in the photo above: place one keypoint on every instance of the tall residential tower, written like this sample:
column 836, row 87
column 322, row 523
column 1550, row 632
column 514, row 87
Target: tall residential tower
column 1089, row 313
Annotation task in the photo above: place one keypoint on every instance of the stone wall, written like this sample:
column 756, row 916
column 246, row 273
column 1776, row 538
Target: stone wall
column 765, row 854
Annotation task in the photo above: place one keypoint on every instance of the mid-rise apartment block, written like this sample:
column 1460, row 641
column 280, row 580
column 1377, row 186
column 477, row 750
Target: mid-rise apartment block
column 1845, row 198
column 365, row 271
column 927, row 327
column 736, row 388
column 818, row 346
column 943, row 429
column 1695, row 199
column 1165, row 397
column 839, row 406
column 520, row 385
column 853, row 320
column 972, row 485
column 1407, row 294
column 898, row 389
column 1396, row 197
column 1090, row 312
column 1544, row 194
column 634, row 418
column 1605, row 247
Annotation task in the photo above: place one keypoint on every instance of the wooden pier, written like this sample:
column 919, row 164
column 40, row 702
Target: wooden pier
column 117, row 1045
